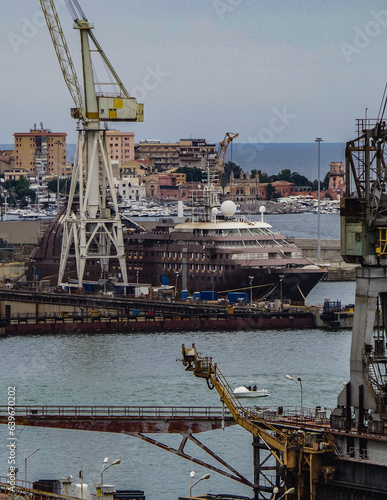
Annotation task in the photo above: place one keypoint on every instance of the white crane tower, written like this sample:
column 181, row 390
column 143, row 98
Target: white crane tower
column 92, row 228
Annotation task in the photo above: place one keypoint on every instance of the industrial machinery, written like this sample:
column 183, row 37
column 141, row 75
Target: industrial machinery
column 299, row 455
column 364, row 241
column 92, row 229
column 306, row 454
column 214, row 177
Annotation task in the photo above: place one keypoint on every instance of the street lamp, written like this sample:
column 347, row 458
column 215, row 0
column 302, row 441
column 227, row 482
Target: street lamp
column 192, row 475
column 318, row 140
column 251, row 278
column 281, row 277
column 213, row 271
column 137, row 287
column 276, row 491
column 104, row 468
column 176, row 278
column 299, row 382
column 25, row 462
column 287, row 492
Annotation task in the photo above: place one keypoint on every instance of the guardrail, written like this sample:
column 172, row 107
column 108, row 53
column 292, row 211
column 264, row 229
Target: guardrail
column 142, row 412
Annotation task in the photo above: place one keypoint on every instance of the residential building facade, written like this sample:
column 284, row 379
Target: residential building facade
column 120, row 145
column 40, row 151
column 170, row 156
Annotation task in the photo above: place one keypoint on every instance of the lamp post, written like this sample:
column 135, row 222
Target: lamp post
column 281, row 277
column 299, row 382
column 105, row 467
column 251, row 278
column 276, row 491
column 176, row 278
column 213, row 271
column 25, row 462
column 318, row 140
column 192, row 475
column 137, row 287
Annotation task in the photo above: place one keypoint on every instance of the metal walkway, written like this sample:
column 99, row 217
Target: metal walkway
column 132, row 420
column 123, row 419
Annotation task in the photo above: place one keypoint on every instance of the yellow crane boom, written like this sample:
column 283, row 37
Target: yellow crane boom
column 300, row 460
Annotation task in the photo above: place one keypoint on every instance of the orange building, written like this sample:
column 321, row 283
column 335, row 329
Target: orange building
column 38, row 152
column 120, row 145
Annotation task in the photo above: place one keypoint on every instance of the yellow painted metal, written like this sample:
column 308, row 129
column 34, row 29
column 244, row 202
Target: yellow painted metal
column 289, row 448
column 381, row 242
column 118, row 103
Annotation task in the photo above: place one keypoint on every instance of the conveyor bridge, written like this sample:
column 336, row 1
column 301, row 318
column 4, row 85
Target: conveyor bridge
column 135, row 421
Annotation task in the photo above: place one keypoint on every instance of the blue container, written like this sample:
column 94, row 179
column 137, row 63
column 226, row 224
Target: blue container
column 238, row 297
column 208, row 295
column 136, row 312
column 196, row 295
column 184, row 294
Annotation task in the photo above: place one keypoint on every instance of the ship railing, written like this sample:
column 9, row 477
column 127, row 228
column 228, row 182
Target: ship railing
column 205, row 412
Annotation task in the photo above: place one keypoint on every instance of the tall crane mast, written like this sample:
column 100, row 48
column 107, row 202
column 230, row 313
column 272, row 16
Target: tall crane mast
column 363, row 223
column 364, row 241
column 92, row 231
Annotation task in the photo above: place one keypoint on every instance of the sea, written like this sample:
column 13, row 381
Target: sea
column 271, row 158
column 145, row 369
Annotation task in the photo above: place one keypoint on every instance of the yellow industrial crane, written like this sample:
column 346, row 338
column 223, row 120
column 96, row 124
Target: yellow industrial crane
column 222, row 154
column 91, row 230
column 229, row 137
column 300, row 455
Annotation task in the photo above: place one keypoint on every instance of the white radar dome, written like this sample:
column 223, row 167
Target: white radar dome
column 262, row 209
column 228, row 208
column 214, row 211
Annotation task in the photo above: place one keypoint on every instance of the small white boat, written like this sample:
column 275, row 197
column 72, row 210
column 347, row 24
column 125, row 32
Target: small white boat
column 249, row 391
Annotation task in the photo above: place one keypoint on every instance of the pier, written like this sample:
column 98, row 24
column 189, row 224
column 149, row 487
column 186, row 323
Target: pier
column 23, row 312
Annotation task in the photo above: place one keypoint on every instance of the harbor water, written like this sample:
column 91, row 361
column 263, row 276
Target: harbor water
column 145, row 370
column 137, row 369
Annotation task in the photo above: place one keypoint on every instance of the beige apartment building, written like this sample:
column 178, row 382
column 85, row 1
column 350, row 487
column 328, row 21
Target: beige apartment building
column 40, row 151
column 120, row 145
column 168, row 156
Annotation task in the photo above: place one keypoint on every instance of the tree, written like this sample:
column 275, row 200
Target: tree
column 285, row 175
column 263, row 177
column 20, row 190
column 64, row 185
column 193, row 174
column 271, row 191
column 299, row 180
column 234, row 168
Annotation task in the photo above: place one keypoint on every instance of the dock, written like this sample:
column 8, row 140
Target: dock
column 26, row 312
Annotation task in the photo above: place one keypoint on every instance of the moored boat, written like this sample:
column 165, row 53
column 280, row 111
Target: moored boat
column 245, row 391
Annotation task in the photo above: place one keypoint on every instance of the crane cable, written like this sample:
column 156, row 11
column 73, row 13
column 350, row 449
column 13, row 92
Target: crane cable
column 73, row 9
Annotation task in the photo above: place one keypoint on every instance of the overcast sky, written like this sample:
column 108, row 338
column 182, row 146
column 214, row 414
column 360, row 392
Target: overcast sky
column 273, row 71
